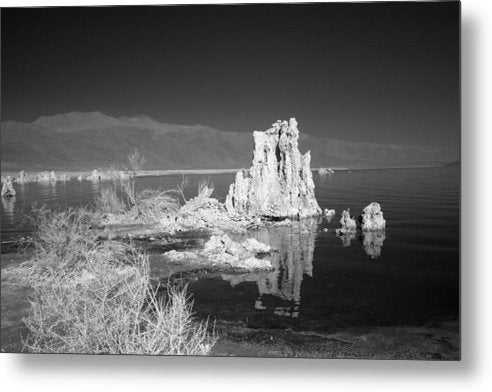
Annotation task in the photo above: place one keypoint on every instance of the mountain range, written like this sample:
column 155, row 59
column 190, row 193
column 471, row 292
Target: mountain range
column 85, row 141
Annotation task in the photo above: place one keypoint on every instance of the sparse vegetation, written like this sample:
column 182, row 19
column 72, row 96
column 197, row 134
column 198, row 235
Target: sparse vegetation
column 149, row 206
column 152, row 205
column 61, row 240
column 95, row 297
column 135, row 162
column 205, row 190
column 181, row 187
column 109, row 202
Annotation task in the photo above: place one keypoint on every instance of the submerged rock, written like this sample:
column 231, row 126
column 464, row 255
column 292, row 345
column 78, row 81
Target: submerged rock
column 255, row 246
column 279, row 184
column 173, row 255
column 221, row 250
column 282, row 223
column 372, row 218
column 7, row 187
column 224, row 244
column 217, row 244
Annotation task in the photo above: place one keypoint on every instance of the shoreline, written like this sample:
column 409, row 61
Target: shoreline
column 433, row 340
column 171, row 172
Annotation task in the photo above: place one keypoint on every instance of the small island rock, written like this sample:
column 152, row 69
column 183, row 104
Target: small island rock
column 372, row 218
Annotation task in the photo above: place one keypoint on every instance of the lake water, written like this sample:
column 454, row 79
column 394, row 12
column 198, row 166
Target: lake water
column 407, row 276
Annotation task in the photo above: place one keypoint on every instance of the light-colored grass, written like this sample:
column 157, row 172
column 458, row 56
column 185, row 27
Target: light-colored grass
column 149, row 206
column 62, row 240
column 108, row 202
column 114, row 311
column 152, row 205
column 96, row 297
column 205, row 190
column 135, row 162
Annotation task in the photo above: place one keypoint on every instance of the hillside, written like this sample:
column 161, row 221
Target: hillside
column 84, row 141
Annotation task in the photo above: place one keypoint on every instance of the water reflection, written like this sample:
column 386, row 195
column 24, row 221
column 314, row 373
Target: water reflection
column 8, row 205
column 372, row 241
column 96, row 186
column 293, row 259
column 21, row 186
column 347, row 238
column 47, row 190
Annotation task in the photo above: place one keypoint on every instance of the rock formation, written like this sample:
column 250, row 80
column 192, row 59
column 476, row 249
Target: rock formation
column 372, row 218
column 279, row 184
column 22, row 177
column 7, row 187
column 222, row 251
column 43, row 177
column 94, row 176
column 348, row 224
column 329, row 212
column 369, row 228
column 323, row 171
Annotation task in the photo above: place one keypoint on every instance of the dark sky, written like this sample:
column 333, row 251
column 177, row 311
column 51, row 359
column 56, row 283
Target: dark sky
column 379, row 72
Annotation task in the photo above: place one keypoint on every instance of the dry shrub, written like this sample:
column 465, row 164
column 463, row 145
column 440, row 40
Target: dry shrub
column 61, row 238
column 109, row 203
column 112, row 310
column 135, row 163
column 96, row 297
column 205, row 190
column 181, row 187
column 152, row 205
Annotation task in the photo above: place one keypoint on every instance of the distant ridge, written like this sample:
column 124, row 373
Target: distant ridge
column 84, row 141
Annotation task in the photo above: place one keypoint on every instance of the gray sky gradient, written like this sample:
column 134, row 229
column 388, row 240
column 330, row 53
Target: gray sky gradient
column 376, row 72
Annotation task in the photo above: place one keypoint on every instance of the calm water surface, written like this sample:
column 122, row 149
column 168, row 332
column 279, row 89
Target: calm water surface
column 407, row 276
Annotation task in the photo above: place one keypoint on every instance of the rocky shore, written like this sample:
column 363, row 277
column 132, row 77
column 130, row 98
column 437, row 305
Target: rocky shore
column 232, row 239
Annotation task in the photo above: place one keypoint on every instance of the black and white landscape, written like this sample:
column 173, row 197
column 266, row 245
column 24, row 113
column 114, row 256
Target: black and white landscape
column 245, row 180
column 75, row 141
